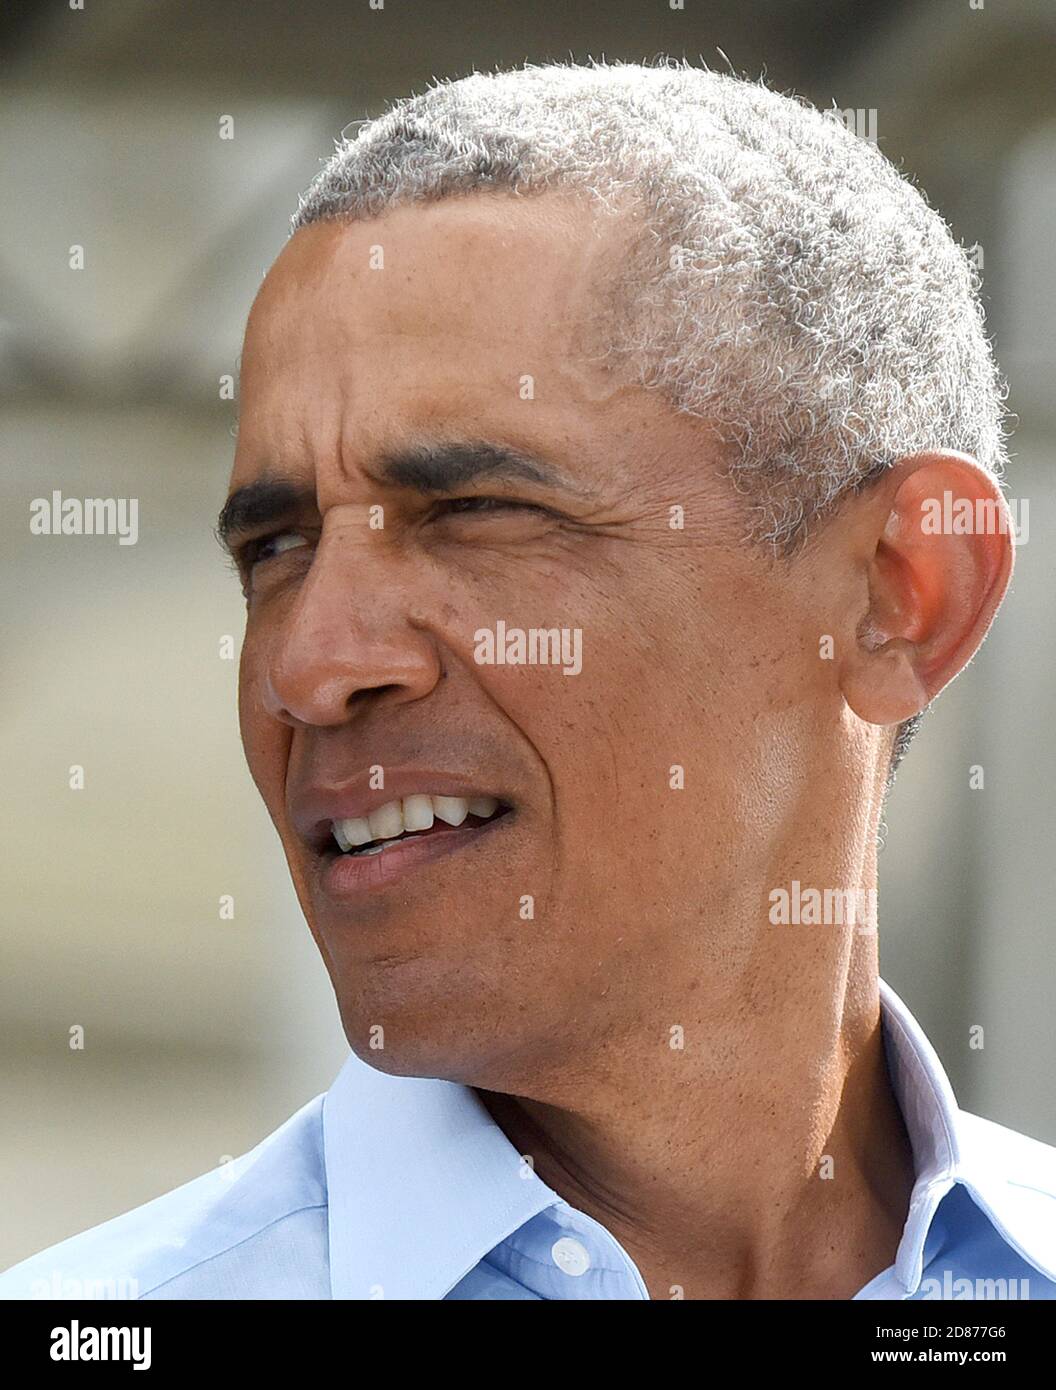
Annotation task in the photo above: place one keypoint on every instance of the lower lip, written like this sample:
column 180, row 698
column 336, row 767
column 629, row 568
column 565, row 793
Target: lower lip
column 349, row 874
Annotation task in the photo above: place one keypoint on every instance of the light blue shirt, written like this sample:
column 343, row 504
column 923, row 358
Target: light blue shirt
column 400, row 1188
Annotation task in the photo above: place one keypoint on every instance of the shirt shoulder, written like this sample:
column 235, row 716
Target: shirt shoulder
column 1017, row 1158
column 1013, row 1178
column 252, row 1228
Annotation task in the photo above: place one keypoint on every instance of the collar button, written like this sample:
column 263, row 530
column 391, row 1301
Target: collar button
column 570, row 1256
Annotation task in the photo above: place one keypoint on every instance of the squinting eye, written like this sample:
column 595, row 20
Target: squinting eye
column 269, row 546
column 460, row 505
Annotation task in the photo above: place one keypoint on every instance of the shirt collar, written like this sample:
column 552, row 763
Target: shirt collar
column 951, row 1146
column 929, row 1112
column 422, row 1182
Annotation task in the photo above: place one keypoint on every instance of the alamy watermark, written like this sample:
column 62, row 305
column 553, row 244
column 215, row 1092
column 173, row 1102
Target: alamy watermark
column 975, row 516
column 80, row 1343
column 948, row 1288
column 829, row 907
column 534, row 646
column 85, row 516
column 63, row 1286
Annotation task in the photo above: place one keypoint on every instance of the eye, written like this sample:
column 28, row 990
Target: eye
column 267, row 547
column 461, row 506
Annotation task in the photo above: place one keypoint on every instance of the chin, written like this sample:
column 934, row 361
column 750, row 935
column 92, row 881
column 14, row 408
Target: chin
column 394, row 1032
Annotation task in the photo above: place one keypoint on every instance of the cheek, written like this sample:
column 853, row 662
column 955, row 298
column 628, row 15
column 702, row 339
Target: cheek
column 687, row 695
column 264, row 739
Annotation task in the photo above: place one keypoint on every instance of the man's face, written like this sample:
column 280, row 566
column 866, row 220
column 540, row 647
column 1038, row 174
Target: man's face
column 600, row 892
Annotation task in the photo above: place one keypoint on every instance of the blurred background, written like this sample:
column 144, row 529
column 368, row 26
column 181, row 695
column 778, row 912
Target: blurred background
column 202, row 1034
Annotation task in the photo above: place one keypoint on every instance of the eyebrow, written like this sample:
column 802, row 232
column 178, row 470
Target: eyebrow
column 428, row 469
column 261, row 503
column 437, row 468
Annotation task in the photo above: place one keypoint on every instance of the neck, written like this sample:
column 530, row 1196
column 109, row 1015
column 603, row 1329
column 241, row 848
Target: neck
column 767, row 1156
column 790, row 1190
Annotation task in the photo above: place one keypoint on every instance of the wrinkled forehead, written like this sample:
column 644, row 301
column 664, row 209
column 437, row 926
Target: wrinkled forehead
column 427, row 319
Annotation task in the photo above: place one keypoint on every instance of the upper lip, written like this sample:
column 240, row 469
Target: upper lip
column 315, row 806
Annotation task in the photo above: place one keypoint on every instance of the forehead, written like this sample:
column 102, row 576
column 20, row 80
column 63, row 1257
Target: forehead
column 485, row 271
column 467, row 304
column 469, row 317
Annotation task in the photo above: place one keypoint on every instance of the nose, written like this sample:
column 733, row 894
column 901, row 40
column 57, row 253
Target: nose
column 349, row 634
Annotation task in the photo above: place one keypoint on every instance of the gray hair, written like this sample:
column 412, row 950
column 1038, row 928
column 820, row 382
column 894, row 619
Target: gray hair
column 784, row 282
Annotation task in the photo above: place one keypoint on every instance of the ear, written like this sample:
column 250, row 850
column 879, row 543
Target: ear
column 937, row 572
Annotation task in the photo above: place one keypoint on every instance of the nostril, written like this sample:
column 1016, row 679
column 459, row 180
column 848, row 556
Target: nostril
column 370, row 693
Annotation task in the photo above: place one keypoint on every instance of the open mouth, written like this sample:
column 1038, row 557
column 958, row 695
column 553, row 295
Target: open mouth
column 413, row 817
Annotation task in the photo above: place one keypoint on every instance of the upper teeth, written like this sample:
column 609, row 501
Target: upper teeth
column 415, row 812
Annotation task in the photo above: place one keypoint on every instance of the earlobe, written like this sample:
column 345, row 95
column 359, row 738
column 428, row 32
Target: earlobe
column 938, row 568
